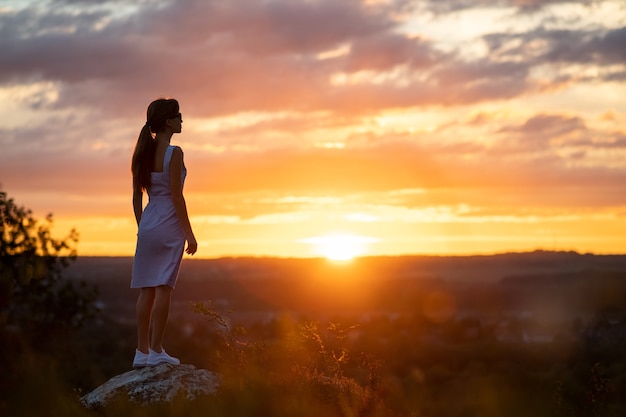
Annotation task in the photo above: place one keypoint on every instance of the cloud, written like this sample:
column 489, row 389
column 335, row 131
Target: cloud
column 228, row 57
column 552, row 134
column 94, row 158
column 234, row 56
column 599, row 47
column 522, row 6
column 397, row 166
column 58, row 46
column 546, row 127
column 389, row 50
column 610, row 140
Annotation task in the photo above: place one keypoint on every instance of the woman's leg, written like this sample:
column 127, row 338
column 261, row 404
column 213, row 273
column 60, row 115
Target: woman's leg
column 160, row 314
column 144, row 312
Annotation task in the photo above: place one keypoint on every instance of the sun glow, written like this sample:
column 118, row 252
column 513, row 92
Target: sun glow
column 340, row 246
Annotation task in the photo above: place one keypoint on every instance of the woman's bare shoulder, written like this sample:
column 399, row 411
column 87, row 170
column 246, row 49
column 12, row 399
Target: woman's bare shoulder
column 177, row 152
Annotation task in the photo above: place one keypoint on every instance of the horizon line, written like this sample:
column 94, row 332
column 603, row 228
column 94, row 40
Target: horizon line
column 407, row 255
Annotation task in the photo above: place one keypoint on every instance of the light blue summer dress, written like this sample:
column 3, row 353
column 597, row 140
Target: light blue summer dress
column 161, row 238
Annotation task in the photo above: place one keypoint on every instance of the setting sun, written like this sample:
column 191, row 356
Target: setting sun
column 340, row 247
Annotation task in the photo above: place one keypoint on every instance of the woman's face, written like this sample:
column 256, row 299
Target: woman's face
column 175, row 123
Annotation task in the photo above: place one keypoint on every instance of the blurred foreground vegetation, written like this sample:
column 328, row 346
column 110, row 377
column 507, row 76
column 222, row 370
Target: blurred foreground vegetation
column 295, row 367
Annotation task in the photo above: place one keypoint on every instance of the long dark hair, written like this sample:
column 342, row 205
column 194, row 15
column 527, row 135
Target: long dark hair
column 143, row 157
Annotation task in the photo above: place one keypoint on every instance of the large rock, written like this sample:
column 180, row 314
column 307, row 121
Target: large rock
column 154, row 385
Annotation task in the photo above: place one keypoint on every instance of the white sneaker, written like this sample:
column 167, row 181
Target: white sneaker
column 141, row 359
column 157, row 358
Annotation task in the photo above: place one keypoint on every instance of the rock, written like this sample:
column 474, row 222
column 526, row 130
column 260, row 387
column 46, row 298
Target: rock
column 154, row 385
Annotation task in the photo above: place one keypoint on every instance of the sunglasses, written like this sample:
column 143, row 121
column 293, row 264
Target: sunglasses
column 180, row 115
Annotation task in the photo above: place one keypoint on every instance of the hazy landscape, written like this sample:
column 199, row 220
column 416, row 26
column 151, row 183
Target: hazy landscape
column 475, row 335
column 535, row 285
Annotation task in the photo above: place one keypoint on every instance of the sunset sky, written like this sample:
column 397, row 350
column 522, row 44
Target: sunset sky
column 326, row 127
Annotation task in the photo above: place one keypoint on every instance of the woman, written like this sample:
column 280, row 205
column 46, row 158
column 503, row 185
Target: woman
column 164, row 228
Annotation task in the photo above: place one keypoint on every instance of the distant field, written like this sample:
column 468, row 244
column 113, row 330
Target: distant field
column 517, row 281
column 450, row 268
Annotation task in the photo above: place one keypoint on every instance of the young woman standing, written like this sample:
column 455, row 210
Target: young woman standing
column 163, row 227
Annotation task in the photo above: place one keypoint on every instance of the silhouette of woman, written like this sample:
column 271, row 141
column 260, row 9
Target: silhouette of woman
column 163, row 227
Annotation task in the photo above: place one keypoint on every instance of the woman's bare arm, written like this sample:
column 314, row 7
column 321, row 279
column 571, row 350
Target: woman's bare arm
column 176, row 187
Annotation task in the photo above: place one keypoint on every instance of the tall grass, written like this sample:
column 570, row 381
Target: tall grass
column 307, row 371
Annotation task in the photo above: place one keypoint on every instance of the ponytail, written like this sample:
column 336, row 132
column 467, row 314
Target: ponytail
column 143, row 157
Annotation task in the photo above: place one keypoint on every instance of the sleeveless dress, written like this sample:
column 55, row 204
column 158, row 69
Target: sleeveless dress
column 161, row 238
